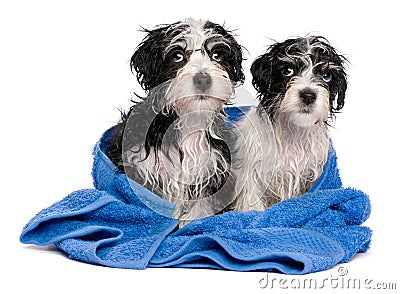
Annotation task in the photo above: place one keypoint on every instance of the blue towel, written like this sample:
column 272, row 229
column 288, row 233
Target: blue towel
column 121, row 224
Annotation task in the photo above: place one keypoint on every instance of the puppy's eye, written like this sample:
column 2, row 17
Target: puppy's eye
column 178, row 56
column 216, row 56
column 288, row 71
column 327, row 77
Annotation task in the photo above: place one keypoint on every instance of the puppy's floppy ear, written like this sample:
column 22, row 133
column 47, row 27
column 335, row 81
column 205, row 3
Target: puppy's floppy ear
column 236, row 73
column 237, row 57
column 261, row 71
column 148, row 57
column 341, row 90
column 340, row 78
column 339, row 87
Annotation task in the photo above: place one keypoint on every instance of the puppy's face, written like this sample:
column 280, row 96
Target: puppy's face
column 201, row 61
column 301, row 79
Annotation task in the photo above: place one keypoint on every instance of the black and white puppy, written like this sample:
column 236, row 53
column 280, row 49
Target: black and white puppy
column 301, row 84
column 175, row 141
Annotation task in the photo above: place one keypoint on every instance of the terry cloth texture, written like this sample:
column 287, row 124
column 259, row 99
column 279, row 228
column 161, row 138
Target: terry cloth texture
column 121, row 224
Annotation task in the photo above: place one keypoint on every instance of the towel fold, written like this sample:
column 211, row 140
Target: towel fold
column 122, row 224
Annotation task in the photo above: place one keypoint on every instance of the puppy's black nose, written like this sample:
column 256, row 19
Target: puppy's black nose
column 308, row 96
column 202, row 81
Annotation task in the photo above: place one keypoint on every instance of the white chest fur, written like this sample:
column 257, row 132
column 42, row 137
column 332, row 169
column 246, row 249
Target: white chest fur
column 183, row 175
column 279, row 161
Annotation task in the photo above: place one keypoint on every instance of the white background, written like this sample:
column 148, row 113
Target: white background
column 64, row 72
